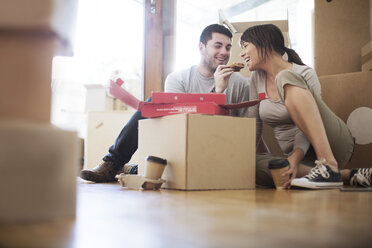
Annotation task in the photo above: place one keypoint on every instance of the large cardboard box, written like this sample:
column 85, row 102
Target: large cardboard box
column 346, row 94
column 204, row 152
column 341, row 28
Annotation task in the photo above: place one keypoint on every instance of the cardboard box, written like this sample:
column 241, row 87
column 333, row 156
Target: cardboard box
column 103, row 128
column 366, row 52
column 204, row 152
column 344, row 94
column 337, row 42
column 37, row 173
column 95, row 97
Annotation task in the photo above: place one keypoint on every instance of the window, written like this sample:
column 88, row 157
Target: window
column 193, row 16
column 108, row 41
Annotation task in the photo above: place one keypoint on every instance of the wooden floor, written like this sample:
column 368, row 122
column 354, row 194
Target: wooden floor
column 111, row 216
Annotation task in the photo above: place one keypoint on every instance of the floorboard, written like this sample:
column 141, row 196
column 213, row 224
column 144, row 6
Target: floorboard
column 111, row 216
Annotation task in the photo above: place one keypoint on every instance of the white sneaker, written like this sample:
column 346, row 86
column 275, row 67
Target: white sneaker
column 320, row 177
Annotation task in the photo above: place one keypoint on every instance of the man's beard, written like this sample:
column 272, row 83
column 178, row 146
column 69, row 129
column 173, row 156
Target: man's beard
column 209, row 64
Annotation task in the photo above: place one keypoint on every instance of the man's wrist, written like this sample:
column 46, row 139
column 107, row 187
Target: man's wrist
column 218, row 91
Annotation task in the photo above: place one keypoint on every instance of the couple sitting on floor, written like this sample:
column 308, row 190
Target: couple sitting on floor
column 306, row 129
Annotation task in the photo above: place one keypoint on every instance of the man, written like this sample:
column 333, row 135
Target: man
column 210, row 75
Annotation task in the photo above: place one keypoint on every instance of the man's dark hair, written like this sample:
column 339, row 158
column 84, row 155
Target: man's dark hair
column 206, row 35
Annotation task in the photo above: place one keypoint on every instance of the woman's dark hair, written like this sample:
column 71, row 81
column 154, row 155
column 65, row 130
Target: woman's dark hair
column 206, row 35
column 268, row 37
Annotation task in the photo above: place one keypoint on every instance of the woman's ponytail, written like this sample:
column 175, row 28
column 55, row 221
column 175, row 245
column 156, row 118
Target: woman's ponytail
column 293, row 56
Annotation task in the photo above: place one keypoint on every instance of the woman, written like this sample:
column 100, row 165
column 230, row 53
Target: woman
column 301, row 121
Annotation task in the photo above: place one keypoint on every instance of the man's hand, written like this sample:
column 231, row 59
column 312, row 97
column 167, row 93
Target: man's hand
column 221, row 77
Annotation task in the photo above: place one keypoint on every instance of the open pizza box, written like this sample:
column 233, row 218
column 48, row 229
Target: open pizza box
column 164, row 103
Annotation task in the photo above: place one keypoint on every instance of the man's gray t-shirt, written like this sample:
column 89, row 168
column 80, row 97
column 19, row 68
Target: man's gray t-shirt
column 191, row 81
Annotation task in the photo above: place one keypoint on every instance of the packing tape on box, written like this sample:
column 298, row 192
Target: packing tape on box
column 38, row 170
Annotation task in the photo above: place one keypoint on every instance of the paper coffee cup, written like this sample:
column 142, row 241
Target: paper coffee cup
column 154, row 167
column 277, row 168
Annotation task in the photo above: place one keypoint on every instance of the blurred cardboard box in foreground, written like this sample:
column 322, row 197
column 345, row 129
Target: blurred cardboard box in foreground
column 31, row 34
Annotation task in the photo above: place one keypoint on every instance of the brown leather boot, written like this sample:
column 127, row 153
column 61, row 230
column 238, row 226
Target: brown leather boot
column 104, row 172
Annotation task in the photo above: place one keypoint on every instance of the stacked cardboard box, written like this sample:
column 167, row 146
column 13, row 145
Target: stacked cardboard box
column 39, row 161
column 337, row 42
column 345, row 88
column 344, row 94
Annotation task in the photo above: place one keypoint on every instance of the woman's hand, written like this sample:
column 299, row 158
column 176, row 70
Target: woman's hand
column 221, row 77
column 294, row 161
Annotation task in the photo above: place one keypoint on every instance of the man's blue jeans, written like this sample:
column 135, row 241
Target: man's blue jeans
column 126, row 143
